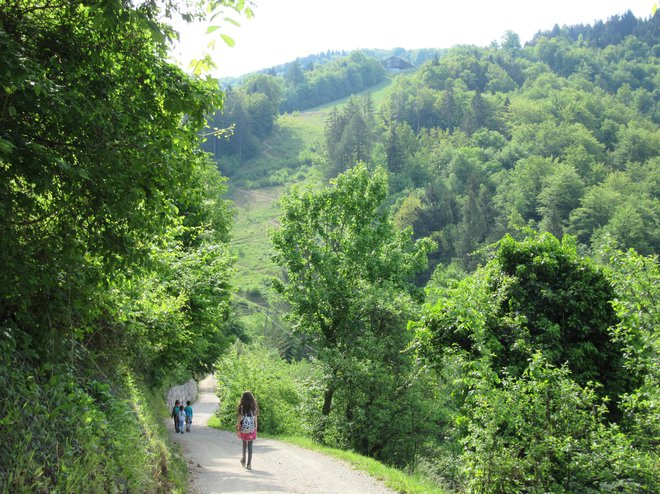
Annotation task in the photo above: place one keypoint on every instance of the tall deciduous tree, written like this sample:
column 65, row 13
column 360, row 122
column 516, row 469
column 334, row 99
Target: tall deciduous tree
column 98, row 158
column 113, row 255
column 347, row 271
column 534, row 295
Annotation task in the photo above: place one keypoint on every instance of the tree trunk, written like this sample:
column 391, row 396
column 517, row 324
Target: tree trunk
column 327, row 399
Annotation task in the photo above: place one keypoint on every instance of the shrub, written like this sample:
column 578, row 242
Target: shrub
column 541, row 433
column 64, row 432
column 262, row 371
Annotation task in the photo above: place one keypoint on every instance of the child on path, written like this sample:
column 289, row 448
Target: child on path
column 175, row 416
column 189, row 415
column 182, row 418
column 247, row 425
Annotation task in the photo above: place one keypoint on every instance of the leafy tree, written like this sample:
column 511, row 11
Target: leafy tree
column 261, row 114
column 272, row 380
column 112, row 239
column 477, row 115
column 346, row 278
column 636, row 281
column 521, row 422
column 536, row 294
column 449, row 109
column 560, row 194
column 348, row 135
column 542, row 432
column 475, row 214
column 338, row 78
column 246, row 117
column 294, row 74
column 510, row 42
column 636, row 143
column 95, row 149
column 623, row 207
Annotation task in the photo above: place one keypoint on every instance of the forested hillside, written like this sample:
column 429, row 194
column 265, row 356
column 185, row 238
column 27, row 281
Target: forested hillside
column 560, row 135
column 523, row 356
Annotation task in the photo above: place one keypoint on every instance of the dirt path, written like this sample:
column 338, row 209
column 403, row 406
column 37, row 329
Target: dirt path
column 213, row 460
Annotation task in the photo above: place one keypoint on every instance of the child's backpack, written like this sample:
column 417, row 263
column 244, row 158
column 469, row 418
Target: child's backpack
column 247, row 424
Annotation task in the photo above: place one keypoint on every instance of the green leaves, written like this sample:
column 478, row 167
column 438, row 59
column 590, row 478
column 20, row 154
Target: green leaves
column 100, row 167
column 229, row 41
column 347, row 274
column 549, row 435
column 534, row 295
column 113, row 238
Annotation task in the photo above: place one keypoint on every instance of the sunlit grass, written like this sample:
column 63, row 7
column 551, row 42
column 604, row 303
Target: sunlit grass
column 379, row 94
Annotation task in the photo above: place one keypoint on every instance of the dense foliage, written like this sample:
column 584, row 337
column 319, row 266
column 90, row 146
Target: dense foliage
column 349, row 135
column 532, row 368
column 347, row 274
column 538, row 356
column 112, row 241
column 535, row 295
column 251, row 109
column 279, row 388
column 334, row 80
column 530, row 396
column 248, row 115
column 558, row 135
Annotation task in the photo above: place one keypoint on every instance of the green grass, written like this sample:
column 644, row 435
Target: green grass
column 307, row 126
column 257, row 207
column 256, row 213
column 379, row 93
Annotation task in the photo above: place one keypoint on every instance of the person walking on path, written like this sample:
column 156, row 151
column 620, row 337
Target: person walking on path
column 175, row 415
column 189, row 415
column 247, row 425
column 182, row 418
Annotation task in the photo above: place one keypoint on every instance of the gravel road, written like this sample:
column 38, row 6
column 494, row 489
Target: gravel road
column 213, row 460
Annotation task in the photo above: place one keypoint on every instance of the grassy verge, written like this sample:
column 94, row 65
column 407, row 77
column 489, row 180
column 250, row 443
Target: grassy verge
column 393, row 478
column 64, row 430
column 170, row 463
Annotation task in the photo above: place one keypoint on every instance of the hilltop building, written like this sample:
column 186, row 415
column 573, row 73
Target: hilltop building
column 396, row 64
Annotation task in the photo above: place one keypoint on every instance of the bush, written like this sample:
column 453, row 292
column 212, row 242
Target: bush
column 63, row 432
column 262, row 371
column 542, row 433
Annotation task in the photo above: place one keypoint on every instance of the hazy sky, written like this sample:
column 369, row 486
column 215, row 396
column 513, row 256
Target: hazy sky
column 283, row 30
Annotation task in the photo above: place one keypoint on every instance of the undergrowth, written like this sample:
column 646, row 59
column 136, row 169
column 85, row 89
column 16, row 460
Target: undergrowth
column 68, row 431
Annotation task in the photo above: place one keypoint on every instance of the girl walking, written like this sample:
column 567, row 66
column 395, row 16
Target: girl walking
column 182, row 418
column 247, row 425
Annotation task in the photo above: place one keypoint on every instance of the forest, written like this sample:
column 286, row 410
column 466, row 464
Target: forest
column 469, row 290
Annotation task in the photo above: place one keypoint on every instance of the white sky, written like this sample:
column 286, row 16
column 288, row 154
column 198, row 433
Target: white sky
column 283, row 30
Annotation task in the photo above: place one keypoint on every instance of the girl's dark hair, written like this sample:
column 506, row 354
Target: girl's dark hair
column 248, row 404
